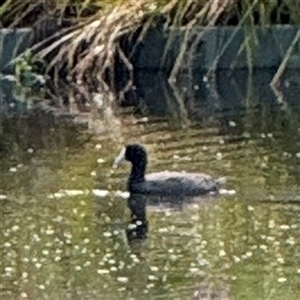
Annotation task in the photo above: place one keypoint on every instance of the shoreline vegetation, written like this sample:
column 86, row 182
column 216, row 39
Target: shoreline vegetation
column 83, row 43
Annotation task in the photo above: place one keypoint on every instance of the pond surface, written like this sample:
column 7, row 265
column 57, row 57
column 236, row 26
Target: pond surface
column 64, row 215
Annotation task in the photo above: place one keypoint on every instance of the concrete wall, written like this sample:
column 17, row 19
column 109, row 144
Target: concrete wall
column 272, row 44
column 12, row 43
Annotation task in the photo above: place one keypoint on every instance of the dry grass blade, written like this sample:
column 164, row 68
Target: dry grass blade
column 280, row 71
column 29, row 10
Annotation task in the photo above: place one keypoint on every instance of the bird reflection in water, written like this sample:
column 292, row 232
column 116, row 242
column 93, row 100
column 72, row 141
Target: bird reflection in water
column 138, row 226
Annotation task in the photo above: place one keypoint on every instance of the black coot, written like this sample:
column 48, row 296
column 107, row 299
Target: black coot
column 164, row 183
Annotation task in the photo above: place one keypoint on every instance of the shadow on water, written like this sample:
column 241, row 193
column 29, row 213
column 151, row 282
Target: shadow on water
column 64, row 217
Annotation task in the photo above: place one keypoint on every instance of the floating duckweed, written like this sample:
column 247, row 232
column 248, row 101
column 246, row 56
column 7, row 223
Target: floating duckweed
column 282, row 279
column 250, row 208
column 271, row 224
column 58, row 219
column 150, row 286
column 135, row 259
column 236, row 259
column 100, row 161
column 102, row 271
column 219, row 156
column 280, row 260
column 67, row 235
column 107, row 234
column 49, row 232
column 173, row 257
column 123, row 279
column 194, row 270
column 168, row 213
column 163, row 230
column 45, row 252
column 290, row 240
column 15, row 228
column 263, row 247
column 38, row 265
column 121, row 265
column 87, row 263
column 111, row 261
column 248, row 253
column 284, row 227
column 8, row 269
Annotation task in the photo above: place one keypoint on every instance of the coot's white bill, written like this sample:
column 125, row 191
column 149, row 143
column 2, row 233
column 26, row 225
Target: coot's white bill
column 119, row 158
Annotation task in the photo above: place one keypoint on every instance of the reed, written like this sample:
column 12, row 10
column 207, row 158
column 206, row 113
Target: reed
column 87, row 50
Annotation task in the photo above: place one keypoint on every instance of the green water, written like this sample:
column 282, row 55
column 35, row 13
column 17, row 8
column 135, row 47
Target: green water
column 73, row 246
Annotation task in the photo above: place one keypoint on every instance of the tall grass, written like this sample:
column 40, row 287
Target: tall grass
column 86, row 52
